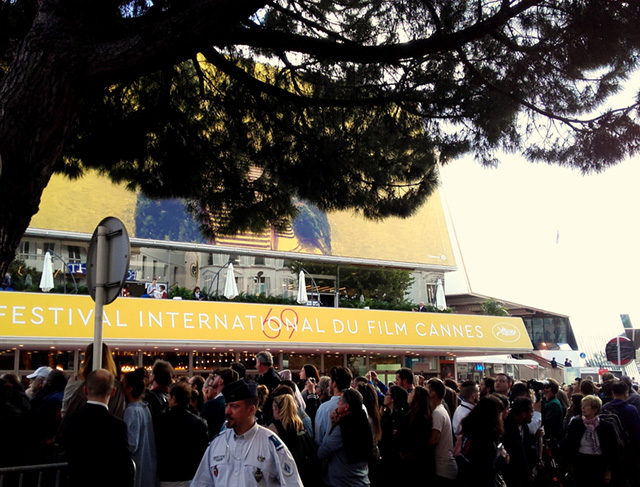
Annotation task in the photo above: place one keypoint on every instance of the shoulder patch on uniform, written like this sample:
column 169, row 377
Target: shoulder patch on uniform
column 276, row 442
column 287, row 468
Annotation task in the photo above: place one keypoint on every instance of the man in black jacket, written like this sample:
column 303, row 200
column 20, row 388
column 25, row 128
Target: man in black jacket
column 213, row 410
column 268, row 378
column 181, row 437
column 95, row 441
column 268, row 375
column 519, row 443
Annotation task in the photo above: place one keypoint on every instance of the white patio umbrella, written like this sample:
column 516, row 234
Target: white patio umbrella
column 302, row 289
column 441, row 303
column 230, row 286
column 46, row 281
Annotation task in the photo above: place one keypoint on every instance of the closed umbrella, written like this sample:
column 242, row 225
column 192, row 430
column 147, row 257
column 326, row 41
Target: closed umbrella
column 302, row 289
column 441, row 303
column 46, row 281
column 230, row 287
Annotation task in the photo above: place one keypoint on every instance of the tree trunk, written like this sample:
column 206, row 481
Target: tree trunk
column 39, row 102
column 58, row 64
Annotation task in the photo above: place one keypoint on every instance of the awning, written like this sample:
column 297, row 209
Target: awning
column 496, row 359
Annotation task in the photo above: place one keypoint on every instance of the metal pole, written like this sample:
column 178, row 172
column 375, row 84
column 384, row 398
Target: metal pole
column 102, row 258
column 619, row 360
column 336, row 298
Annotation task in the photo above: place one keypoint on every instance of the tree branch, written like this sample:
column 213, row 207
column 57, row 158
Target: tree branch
column 571, row 122
column 226, row 66
column 150, row 42
column 330, row 50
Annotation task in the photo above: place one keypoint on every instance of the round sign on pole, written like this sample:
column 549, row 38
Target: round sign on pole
column 116, row 259
column 620, row 351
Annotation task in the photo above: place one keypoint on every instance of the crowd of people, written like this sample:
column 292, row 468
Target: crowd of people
column 147, row 429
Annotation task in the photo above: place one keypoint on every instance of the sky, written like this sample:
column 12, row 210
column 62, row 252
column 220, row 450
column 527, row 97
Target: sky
column 550, row 237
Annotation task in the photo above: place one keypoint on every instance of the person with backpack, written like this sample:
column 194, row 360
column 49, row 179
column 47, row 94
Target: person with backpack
column 181, row 439
column 288, row 426
column 630, row 422
column 591, row 449
column 469, row 394
column 478, row 451
column 157, row 396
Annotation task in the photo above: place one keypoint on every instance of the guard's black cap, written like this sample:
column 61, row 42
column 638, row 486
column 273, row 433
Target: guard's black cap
column 239, row 390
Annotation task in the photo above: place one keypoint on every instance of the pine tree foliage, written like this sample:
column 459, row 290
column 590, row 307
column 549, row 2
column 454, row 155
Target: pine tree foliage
column 244, row 108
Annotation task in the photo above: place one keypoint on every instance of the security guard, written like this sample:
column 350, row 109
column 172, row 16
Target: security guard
column 245, row 454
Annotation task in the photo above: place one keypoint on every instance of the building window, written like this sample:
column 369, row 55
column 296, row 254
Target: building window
column 74, row 254
column 431, row 294
column 48, row 246
column 259, row 261
column 288, row 287
column 24, row 249
column 261, row 284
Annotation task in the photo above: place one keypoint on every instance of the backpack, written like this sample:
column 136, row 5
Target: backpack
column 461, row 452
column 305, row 453
column 611, row 416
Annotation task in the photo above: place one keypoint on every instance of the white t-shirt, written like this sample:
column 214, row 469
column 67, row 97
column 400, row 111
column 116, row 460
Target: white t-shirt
column 461, row 412
column 445, row 463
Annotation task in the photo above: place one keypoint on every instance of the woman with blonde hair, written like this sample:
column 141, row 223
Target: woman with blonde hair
column 591, row 448
column 74, row 397
column 288, row 426
column 263, row 395
column 287, row 416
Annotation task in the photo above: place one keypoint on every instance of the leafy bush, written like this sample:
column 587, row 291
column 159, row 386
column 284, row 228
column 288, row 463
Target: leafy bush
column 252, row 298
column 180, row 292
column 386, row 305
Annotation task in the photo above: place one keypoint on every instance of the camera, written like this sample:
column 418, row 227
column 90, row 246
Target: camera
column 537, row 386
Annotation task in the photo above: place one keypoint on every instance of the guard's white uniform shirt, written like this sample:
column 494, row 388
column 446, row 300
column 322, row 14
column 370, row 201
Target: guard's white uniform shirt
column 256, row 458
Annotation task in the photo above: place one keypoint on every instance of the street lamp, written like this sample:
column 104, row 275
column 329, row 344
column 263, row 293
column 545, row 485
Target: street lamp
column 216, row 277
column 66, row 266
column 313, row 283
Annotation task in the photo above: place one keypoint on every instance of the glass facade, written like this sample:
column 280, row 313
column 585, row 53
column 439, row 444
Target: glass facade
column 357, row 364
column 179, row 360
column 205, row 362
column 331, row 360
column 126, row 361
column 295, row 361
column 206, row 269
column 32, row 359
column 549, row 330
column 7, row 359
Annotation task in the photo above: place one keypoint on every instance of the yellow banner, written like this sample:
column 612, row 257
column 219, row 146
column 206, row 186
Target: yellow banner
column 69, row 316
